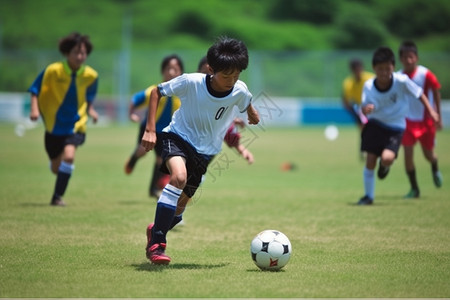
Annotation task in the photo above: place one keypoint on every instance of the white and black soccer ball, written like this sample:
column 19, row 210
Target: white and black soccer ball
column 270, row 250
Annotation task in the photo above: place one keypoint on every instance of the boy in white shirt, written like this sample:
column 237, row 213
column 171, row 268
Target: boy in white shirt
column 385, row 101
column 196, row 131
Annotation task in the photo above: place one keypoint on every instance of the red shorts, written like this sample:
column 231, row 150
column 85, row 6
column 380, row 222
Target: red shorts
column 422, row 131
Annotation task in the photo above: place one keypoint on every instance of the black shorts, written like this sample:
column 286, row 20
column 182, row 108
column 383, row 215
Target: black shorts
column 54, row 144
column 375, row 138
column 196, row 163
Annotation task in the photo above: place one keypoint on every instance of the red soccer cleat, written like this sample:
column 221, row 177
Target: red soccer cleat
column 156, row 254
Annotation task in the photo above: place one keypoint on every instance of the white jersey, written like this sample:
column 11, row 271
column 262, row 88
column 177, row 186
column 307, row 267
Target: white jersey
column 203, row 119
column 420, row 77
column 391, row 106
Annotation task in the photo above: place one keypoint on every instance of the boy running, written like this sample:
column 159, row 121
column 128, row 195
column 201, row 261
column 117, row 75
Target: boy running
column 63, row 94
column 196, row 131
column 171, row 67
column 419, row 124
column 386, row 101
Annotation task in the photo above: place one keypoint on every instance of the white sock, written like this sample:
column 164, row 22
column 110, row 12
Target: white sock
column 170, row 195
column 369, row 182
column 66, row 167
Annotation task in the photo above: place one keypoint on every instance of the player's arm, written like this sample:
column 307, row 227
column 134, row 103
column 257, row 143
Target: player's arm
column 132, row 113
column 428, row 107
column 437, row 102
column 246, row 154
column 92, row 113
column 34, row 110
column 149, row 137
column 253, row 116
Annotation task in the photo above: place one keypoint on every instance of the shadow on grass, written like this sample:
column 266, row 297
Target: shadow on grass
column 257, row 270
column 147, row 266
column 385, row 200
column 34, row 204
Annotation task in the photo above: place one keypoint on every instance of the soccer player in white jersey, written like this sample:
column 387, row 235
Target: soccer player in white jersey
column 419, row 125
column 196, row 131
column 385, row 102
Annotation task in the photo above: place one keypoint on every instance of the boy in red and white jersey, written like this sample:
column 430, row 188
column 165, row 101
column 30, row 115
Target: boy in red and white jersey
column 419, row 124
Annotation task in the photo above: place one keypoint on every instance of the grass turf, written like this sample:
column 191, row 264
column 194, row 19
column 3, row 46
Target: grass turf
column 94, row 247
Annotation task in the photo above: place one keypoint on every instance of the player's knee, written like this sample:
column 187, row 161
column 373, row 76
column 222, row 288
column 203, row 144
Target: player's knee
column 178, row 180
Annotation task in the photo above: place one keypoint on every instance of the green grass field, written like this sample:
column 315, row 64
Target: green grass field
column 94, row 247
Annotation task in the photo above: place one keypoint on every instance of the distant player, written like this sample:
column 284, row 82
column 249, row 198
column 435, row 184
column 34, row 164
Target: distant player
column 352, row 88
column 63, row 94
column 385, row 101
column 171, row 67
column 196, row 131
column 419, row 124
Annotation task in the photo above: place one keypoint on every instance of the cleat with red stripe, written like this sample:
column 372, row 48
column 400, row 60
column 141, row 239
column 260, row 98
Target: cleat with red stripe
column 156, row 254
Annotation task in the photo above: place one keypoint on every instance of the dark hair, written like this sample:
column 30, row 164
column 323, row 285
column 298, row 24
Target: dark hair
column 67, row 43
column 355, row 63
column 166, row 60
column 203, row 61
column 227, row 54
column 407, row 46
column 382, row 55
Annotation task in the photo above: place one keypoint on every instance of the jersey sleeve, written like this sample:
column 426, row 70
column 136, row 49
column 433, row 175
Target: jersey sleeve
column 138, row 98
column 35, row 87
column 91, row 91
column 432, row 81
column 175, row 87
column 246, row 99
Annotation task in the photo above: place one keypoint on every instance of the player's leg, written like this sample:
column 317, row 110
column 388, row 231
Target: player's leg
column 411, row 172
column 370, row 143
column 165, row 209
column 386, row 160
column 392, row 142
column 138, row 152
column 64, row 173
column 431, row 156
column 427, row 142
column 369, row 179
column 158, row 179
column 181, row 207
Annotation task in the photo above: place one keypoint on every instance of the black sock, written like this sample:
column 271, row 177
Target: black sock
column 163, row 221
column 434, row 166
column 412, row 179
column 176, row 220
column 132, row 161
column 62, row 180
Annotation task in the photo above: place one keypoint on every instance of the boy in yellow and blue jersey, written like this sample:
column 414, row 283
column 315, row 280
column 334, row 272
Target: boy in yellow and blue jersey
column 171, row 67
column 63, row 94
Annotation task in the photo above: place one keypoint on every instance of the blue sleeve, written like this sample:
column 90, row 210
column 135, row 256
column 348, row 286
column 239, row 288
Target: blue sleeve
column 91, row 91
column 35, row 88
column 138, row 98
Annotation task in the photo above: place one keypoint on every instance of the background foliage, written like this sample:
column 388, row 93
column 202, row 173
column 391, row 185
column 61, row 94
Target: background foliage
column 30, row 30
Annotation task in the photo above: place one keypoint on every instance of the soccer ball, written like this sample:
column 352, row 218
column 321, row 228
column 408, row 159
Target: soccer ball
column 270, row 250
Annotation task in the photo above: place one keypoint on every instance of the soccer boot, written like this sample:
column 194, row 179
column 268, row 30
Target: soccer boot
column 437, row 179
column 366, row 200
column 129, row 165
column 382, row 171
column 413, row 193
column 57, row 201
column 155, row 253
